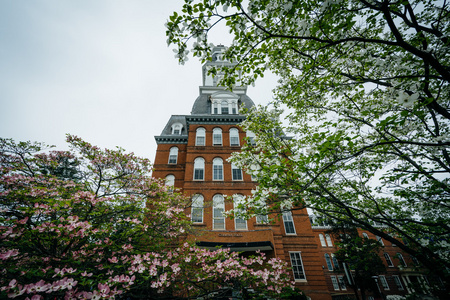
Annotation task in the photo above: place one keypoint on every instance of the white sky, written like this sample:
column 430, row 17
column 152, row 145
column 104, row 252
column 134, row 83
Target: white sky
column 97, row 69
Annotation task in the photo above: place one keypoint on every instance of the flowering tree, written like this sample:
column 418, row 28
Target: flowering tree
column 92, row 224
column 364, row 85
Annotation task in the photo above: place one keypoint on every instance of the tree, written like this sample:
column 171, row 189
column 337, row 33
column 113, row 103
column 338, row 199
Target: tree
column 364, row 92
column 362, row 255
column 91, row 224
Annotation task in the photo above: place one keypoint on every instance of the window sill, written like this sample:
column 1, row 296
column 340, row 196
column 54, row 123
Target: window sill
column 301, row 280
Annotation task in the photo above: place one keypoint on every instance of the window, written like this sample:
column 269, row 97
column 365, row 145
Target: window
column 388, row 260
column 234, row 137
column 297, row 266
column 197, row 209
column 217, row 169
column 176, row 128
column 215, row 108
column 218, row 209
column 170, row 181
column 217, row 136
column 288, row 222
column 322, row 240
column 335, row 261
column 335, row 283
column 328, row 238
column 239, row 222
column 398, row 282
column 250, row 138
column 328, row 260
column 415, row 261
column 402, row 261
column 236, row 173
column 199, row 168
column 173, row 155
column 224, row 107
column 365, row 235
column 262, row 218
column 384, row 283
column 380, row 240
column 342, row 283
column 234, row 110
column 200, row 137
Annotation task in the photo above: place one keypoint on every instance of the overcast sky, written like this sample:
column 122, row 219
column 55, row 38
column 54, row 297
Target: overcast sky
column 99, row 69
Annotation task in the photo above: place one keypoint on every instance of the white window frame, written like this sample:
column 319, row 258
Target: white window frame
column 217, row 135
column 365, row 235
column 224, row 106
column 388, row 259
column 384, row 282
column 239, row 223
column 236, row 173
column 197, row 208
column 322, row 240
column 328, row 262
column 341, row 282
column 177, row 127
column 297, row 266
column 262, row 219
column 335, row 282
column 328, row 239
column 335, row 261
column 288, row 219
column 398, row 282
column 250, row 137
column 380, row 240
column 402, row 260
column 234, row 137
column 199, row 164
column 173, row 156
column 200, row 136
column 218, row 209
column 218, row 169
column 170, row 181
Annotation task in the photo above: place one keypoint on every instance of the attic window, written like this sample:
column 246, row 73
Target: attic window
column 224, row 107
column 176, row 128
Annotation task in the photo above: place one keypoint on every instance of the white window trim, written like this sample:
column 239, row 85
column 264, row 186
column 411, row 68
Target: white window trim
column 328, row 261
column 203, row 130
column 234, row 136
column 398, row 282
column 217, row 129
column 233, row 167
column 335, row 283
column 288, row 214
column 221, row 168
column 384, row 282
column 222, row 206
column 173, row 154
column 236, row 201
column 388, row 260
column 197, row 206
column 302, row 266
column 328, row 239
column 203, row 177
column 322, row 240
column 175, row 126
column 341, row 282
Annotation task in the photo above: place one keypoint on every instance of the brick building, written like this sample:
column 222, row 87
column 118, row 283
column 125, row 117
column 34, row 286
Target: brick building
column 192, row 155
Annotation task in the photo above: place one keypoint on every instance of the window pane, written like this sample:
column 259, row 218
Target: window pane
column 173, row 155
column 384, row 282
column 218, row 208
column 288, row 223
column 342, row 283
column 297, row 266
column 388, row 260
column 197, row 209
column 328, row 260
column 322, row 240
column 335, row 283
column 200, row 137
column 398, row 283
column 328, row 238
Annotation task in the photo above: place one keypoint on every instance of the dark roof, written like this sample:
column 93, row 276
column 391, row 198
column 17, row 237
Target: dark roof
column 202, row 105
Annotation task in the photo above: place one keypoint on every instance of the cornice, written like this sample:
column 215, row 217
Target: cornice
column 171, row 139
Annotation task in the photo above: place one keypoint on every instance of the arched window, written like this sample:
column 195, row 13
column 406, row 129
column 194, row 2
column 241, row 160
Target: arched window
column 218, row 209
column 328, row 260
column 200, row 137
column 173, row 155
column 170, row 182
column 199, row 168
column 250, row 137
column 224, row 107
column 328, row 238
column 234, row 109
column 388, row 259
column 401, row 259
column 176, row 128
column 236, row 173
column 239, row 222
column 335, row 262
column 234, row 137
column 217, row 136
column 322, row 240
column 197, row 209
column 217, row 169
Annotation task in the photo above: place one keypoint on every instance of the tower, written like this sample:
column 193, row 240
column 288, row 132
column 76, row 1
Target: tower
column 192, row 155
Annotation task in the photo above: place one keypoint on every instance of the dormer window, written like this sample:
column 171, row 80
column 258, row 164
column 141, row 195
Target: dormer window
column 224, row 106
column 176, row 128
